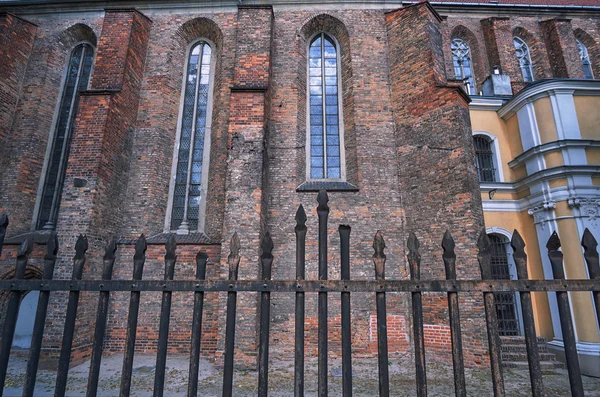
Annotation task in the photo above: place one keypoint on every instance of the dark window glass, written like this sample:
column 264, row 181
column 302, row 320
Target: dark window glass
column 324, row 109
column 522, row 51
column 585, row 60
column 506, row 309
column 461, row 59
column 188, row 189
column 77, row 79
column 484, row 159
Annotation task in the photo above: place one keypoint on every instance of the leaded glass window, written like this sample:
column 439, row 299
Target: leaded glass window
column 77, row 79
column 461, row 59
column 324, row 114
column 189, row 191
column 522, row 51
column 585, row 60
column 484, row 159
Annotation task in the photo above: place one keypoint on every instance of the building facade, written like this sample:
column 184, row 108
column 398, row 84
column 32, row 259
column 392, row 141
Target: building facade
column 202, row 119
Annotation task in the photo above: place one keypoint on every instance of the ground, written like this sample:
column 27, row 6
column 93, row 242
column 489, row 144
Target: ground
column 281, row 378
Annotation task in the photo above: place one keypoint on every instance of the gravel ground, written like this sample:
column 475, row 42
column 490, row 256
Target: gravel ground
column 281, row 378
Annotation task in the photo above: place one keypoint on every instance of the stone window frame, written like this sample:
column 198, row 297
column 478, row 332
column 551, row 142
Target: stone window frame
column 496, row 155
column 584, row 56
column 522, row 58
column 340, row 111
column 52, row 132
column 472, row 88
column 207, row 141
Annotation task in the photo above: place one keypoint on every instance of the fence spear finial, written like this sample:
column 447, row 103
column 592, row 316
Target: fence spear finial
column 170, row 247
column 553, row 243
column 110, row 249
column 379, row 255
column 140, row 248
column 590, row 254
column 448, row 246
column 3, row 220
column 414, row 257
column 484, row 256
column 26, row 247
column 588, row 241
column 322, row 199
column 81, row 246
column 234, row 256
column 300, row 217
column 52, row 247
column 266, row 245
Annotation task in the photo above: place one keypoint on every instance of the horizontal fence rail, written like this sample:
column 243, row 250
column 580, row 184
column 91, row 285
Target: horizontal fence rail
column 264, row 286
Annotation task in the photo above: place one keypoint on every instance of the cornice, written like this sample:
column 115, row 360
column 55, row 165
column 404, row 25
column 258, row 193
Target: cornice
column 553, row 146
column 492, row 103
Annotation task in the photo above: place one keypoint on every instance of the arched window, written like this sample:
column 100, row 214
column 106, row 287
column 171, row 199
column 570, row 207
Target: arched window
column 192, row 150
column 325, row 138
column 522, row 51
column 461, row 59
column 76, row 80
column 506, row 307
column 484, row 158
column 585, row 60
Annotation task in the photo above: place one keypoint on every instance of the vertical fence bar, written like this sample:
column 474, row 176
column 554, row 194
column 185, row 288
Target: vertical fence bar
column 101, row 316
column 323, row 213
column 533, row 354
column 40, row 318
column 344, row 231
column 12, row 310
column 485, row 264
column 165, row 316
column 64, row 360
column 590, row 254
column 566, row 321
column 201, row 260
column 449, row 258
column 3, row 226
column 266, row 260
column 234, row 261
column 139, row 258
column 414, row 261
column 382, row 337
column 300, row 231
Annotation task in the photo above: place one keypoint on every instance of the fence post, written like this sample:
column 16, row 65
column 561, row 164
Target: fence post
column 300, row 231
column 201, row 260
column 40, row 318
column 3, row 226
column 323, row 212
column 266, row 260
column 382, row 339
column 533, row 354
column 12, row 310
column 449, row 258
column 344, row 231
column 101, row 316
column 234, row 262
column 566, row 322
column 414, row 261
column 81, row 246
column 484, row 257
column 590, row 254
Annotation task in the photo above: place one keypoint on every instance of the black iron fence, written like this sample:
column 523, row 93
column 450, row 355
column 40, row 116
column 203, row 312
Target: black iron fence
column 300, row 286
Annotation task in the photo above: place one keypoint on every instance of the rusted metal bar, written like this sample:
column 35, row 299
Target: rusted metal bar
column 234, row 262
column 382, row 345
column 344, row 231
column 40, row 318
column 533, row 354
column 300, row 231
column 566, row 321
column 323, row 213
column 12, row 311
column 139, row 258
column 266, row 260
column 165, row 316
column 485, row 264
column 3, row 227
column 64, row 360
column 201, row 260
column 414, row 261
column 305, row 285
column 101, row 317
column 590, row 254
column 449, row 258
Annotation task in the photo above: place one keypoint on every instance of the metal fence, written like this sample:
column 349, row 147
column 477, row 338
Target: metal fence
column 18, row 286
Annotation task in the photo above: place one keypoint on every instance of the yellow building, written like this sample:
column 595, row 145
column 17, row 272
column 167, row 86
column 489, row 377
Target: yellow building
column 538, row 156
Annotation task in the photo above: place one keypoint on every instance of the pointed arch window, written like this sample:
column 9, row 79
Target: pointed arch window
column 524, row 57
column 461, row 59
column 77, row 79
column 325, row 158
column 188, row 198
column 585, row 60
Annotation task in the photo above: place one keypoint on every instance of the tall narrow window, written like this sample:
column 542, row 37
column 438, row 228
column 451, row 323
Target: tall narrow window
column 585, row 60
column 484, row 158
column 461, row 59
column 189, row 191
column 506, row 309
column 324, row 115
column 77, row 79
column 522, row 51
